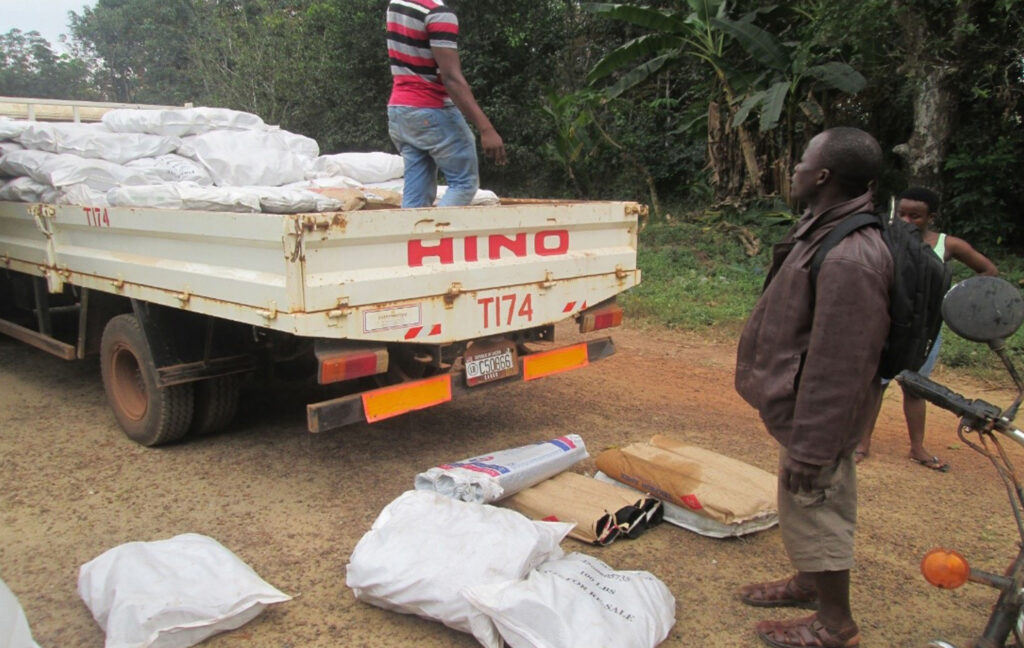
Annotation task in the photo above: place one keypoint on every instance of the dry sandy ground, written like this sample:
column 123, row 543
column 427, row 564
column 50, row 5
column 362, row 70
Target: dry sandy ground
column 293, row 505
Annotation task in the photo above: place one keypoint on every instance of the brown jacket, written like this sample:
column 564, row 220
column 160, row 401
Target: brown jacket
column 808, row 358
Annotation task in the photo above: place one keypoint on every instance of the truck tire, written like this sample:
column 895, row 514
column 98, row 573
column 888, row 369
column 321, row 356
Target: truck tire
column 216, row 403
column 148, row 414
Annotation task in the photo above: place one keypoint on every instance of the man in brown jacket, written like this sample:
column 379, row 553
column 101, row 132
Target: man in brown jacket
column 808, row 362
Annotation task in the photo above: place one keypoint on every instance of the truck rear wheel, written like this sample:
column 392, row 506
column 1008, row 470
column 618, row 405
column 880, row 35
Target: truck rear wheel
column 148, row 414
column 216, row 403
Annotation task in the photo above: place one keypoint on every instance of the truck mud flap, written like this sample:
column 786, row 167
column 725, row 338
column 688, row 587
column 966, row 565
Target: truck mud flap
column 386, row 402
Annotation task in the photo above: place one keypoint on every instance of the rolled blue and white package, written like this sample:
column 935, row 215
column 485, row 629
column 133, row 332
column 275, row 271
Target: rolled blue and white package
column 490, row 477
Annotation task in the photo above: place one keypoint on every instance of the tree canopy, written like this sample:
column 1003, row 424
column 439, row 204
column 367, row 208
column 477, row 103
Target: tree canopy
column 672, row 102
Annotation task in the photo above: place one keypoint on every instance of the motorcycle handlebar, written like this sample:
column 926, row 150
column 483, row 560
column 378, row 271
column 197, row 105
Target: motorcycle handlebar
column 976, row 412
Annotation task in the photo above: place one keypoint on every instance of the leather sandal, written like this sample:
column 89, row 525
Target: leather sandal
column 781, row 593
column 807, row 632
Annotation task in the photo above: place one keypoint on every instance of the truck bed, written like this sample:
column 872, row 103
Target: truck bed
column 435, row 275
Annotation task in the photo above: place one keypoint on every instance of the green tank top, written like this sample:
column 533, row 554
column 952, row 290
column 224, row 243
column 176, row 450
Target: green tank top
column 940, row 247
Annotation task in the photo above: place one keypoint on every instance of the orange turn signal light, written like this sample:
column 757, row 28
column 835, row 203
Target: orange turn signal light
column 945, row 568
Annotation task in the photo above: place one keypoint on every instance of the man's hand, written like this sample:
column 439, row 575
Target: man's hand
column 798, row 476
column 493, row 146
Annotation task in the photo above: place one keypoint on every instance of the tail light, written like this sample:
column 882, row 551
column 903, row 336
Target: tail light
column 945, row 568
column 600, row 317
column 339, row 365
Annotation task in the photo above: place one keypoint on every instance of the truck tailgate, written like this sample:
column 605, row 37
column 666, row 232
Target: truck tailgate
column 426, row 275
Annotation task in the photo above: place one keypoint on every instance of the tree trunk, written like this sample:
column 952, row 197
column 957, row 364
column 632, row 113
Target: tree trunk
column 935, row 104
column 934, row 111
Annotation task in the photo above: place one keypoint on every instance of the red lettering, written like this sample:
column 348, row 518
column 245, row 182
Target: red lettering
column 511, row 298
column 515, row 245
column 526, row 309
column 418, row 251
column 545, row 243
column 485, row 302
column 469, row 248
column 561, row 242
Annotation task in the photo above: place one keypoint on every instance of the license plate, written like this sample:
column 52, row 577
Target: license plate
column 490, row 361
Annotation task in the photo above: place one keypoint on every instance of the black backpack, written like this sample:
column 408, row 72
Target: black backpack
column 920, row 280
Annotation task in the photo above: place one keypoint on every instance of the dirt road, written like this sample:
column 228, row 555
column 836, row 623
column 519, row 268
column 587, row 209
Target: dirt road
column 293, row 505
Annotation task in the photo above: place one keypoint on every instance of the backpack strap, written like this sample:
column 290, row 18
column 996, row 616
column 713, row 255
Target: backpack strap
column 845, row 227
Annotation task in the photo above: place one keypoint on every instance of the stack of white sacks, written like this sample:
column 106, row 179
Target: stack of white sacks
column 188, row 158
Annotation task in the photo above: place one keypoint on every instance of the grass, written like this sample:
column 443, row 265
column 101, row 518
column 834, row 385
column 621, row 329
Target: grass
column 705, row 274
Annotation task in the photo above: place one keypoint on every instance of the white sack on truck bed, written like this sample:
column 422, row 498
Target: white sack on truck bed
column 95, row 141
column 174, row 168
column 187, row 195
column 24, row 189
column 11, row 128
column 180, row 122
column 252, row 158
column 362, row 167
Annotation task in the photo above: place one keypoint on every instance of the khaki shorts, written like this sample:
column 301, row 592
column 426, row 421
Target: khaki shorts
column 817, row 526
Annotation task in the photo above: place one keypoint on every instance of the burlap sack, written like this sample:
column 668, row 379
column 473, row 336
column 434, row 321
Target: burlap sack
column 601, row 512
column 722, row 488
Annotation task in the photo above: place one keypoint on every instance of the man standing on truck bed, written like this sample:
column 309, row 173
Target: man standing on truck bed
column 430, row 101
column 808, row 361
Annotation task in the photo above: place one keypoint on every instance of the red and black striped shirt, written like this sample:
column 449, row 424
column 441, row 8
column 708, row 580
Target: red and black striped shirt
column 414, row 27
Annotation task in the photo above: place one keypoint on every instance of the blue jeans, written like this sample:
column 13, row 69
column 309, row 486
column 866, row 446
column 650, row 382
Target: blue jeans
column 429, row 139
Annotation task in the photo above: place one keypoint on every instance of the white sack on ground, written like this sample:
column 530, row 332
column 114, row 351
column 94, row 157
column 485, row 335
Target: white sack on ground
column 424, row 549
column 171, row 593
column 252, row 158
column 491, row 476
column 364, row 167
column 578, row 601
column 9, row 145
column 180, row 122
column 94, row 141
column 174, row 168
column 14, row 629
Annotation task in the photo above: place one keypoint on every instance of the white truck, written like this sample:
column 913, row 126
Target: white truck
column 402, row 309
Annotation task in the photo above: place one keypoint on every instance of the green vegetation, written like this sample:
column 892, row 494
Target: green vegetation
column 666, row 102
column 704, row 274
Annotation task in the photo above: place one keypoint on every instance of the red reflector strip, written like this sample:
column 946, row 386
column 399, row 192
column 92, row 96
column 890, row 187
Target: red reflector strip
column 543, row 364
column 386, row 402
column 347, row 366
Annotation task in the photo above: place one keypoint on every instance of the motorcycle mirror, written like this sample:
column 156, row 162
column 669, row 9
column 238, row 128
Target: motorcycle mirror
column 984, row 309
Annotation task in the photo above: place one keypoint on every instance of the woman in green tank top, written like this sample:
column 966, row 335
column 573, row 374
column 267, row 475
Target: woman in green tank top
column 919, row 207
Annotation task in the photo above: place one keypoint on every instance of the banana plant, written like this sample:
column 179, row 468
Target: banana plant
column 674, row 36
column 787, row 72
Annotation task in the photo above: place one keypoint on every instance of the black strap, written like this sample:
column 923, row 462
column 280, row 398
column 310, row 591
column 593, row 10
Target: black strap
column 845, row 227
